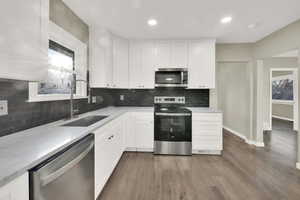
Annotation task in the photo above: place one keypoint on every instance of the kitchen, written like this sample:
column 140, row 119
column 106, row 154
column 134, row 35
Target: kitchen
column 83, row 106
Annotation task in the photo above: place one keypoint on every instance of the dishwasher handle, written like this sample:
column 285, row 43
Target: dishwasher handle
column 53, row 176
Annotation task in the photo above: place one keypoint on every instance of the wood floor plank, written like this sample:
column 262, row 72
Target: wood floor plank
column 243, row 172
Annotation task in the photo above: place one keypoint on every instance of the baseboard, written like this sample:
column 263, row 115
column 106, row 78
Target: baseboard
column 257, row 144
column 298, row 165
column 250, row 142
column 267, row 127
column 235, row 133
column 207, row 152
column 282, row 118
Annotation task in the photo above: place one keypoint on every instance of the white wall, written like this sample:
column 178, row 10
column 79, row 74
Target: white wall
column 233, row 86
column 283, row 111
column 284, row 40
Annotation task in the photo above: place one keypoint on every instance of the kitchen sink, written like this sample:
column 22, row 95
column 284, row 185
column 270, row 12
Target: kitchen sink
column 86, row 121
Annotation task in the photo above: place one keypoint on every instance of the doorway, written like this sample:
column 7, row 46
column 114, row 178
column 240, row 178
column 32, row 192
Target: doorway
column 284, row 97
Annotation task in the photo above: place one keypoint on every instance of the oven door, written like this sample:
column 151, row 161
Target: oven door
column 173, row 127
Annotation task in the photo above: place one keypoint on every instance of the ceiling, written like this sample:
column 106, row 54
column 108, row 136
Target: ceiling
column 189, row 18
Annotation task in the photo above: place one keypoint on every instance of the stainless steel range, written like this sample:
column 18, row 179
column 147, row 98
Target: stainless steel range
column 172, row 126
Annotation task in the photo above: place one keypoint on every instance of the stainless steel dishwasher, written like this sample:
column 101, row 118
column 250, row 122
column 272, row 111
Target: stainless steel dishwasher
column 69, row 175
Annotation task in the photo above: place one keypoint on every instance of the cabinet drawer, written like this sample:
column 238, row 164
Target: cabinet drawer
column 207, row 144
column 207, row 137
column 207, row 117
column 206, row 127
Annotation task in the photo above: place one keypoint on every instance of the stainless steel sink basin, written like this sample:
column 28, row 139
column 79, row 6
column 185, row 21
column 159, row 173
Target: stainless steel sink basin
column 86, row 121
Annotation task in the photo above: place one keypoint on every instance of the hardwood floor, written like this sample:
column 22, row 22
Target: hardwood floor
column 243, row 172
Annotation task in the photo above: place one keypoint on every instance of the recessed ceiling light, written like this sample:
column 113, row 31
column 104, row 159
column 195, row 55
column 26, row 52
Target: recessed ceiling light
column 226, row 20
column 152, row 22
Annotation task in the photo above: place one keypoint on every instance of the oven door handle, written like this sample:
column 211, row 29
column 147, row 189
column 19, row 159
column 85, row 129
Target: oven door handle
column 173, row 114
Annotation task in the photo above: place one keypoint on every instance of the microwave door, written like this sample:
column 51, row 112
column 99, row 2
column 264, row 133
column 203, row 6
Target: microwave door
column 165, row 78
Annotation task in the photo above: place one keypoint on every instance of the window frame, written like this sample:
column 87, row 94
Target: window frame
column 65, row 39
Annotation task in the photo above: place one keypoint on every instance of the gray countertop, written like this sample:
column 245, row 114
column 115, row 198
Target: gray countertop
column 24, row 150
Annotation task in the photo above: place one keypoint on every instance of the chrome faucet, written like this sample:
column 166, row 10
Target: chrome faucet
column 73, row 82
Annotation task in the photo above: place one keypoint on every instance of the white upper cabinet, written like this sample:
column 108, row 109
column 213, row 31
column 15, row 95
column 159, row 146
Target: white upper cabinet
column 171, row 54
column 179, row 54
column 24, row 39
column 201, row 64
column 148, row 65
column 120, row 63
column 141, row 65
column 163, row 54
column 101, row 58
column 108, row 60
column 135, row 65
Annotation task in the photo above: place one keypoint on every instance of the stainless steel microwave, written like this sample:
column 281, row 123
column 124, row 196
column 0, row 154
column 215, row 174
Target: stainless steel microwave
column 171, row 77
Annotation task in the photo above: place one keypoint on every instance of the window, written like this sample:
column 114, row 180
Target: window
column 61, row 63
column 65, row 55
column 282, row 88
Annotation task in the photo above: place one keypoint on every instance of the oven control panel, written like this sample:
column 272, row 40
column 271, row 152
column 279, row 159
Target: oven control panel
column 169, row 100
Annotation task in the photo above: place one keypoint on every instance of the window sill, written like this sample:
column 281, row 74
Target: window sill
column 44, row 98
column 284, row 102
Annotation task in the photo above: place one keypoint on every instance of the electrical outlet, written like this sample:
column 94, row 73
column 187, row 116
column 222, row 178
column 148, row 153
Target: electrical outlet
column 3, row 108
column 122, row 97
column 94, row 99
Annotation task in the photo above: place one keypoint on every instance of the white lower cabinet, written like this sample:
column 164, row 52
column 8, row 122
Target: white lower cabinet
column 18, row 189
column 108, row 150
column 207, row 132
column 135, row 132
column 143, row 130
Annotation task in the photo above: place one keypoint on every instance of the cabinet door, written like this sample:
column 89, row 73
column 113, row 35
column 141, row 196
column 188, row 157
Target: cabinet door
column 202, row 64
column 135, row 65
column 17, row 189
column 120, row 63
column 144, row 131
column 179, row 54
column 103, row 159
column 24, row 39
column 129, row 136
column 207, row 132
column 117, row 143
column 148, row 65
column 163, row 54
column 100, row 56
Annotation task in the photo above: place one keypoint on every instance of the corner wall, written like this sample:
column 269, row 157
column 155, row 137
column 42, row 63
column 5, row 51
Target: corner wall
column 283, row 40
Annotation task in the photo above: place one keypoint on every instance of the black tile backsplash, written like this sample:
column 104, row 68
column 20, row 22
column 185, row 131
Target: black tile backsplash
column 23, row 115
column 194, row 98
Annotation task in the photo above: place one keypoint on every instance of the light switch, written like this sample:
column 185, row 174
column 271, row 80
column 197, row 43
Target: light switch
column 122, row 97
column 3, row 108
